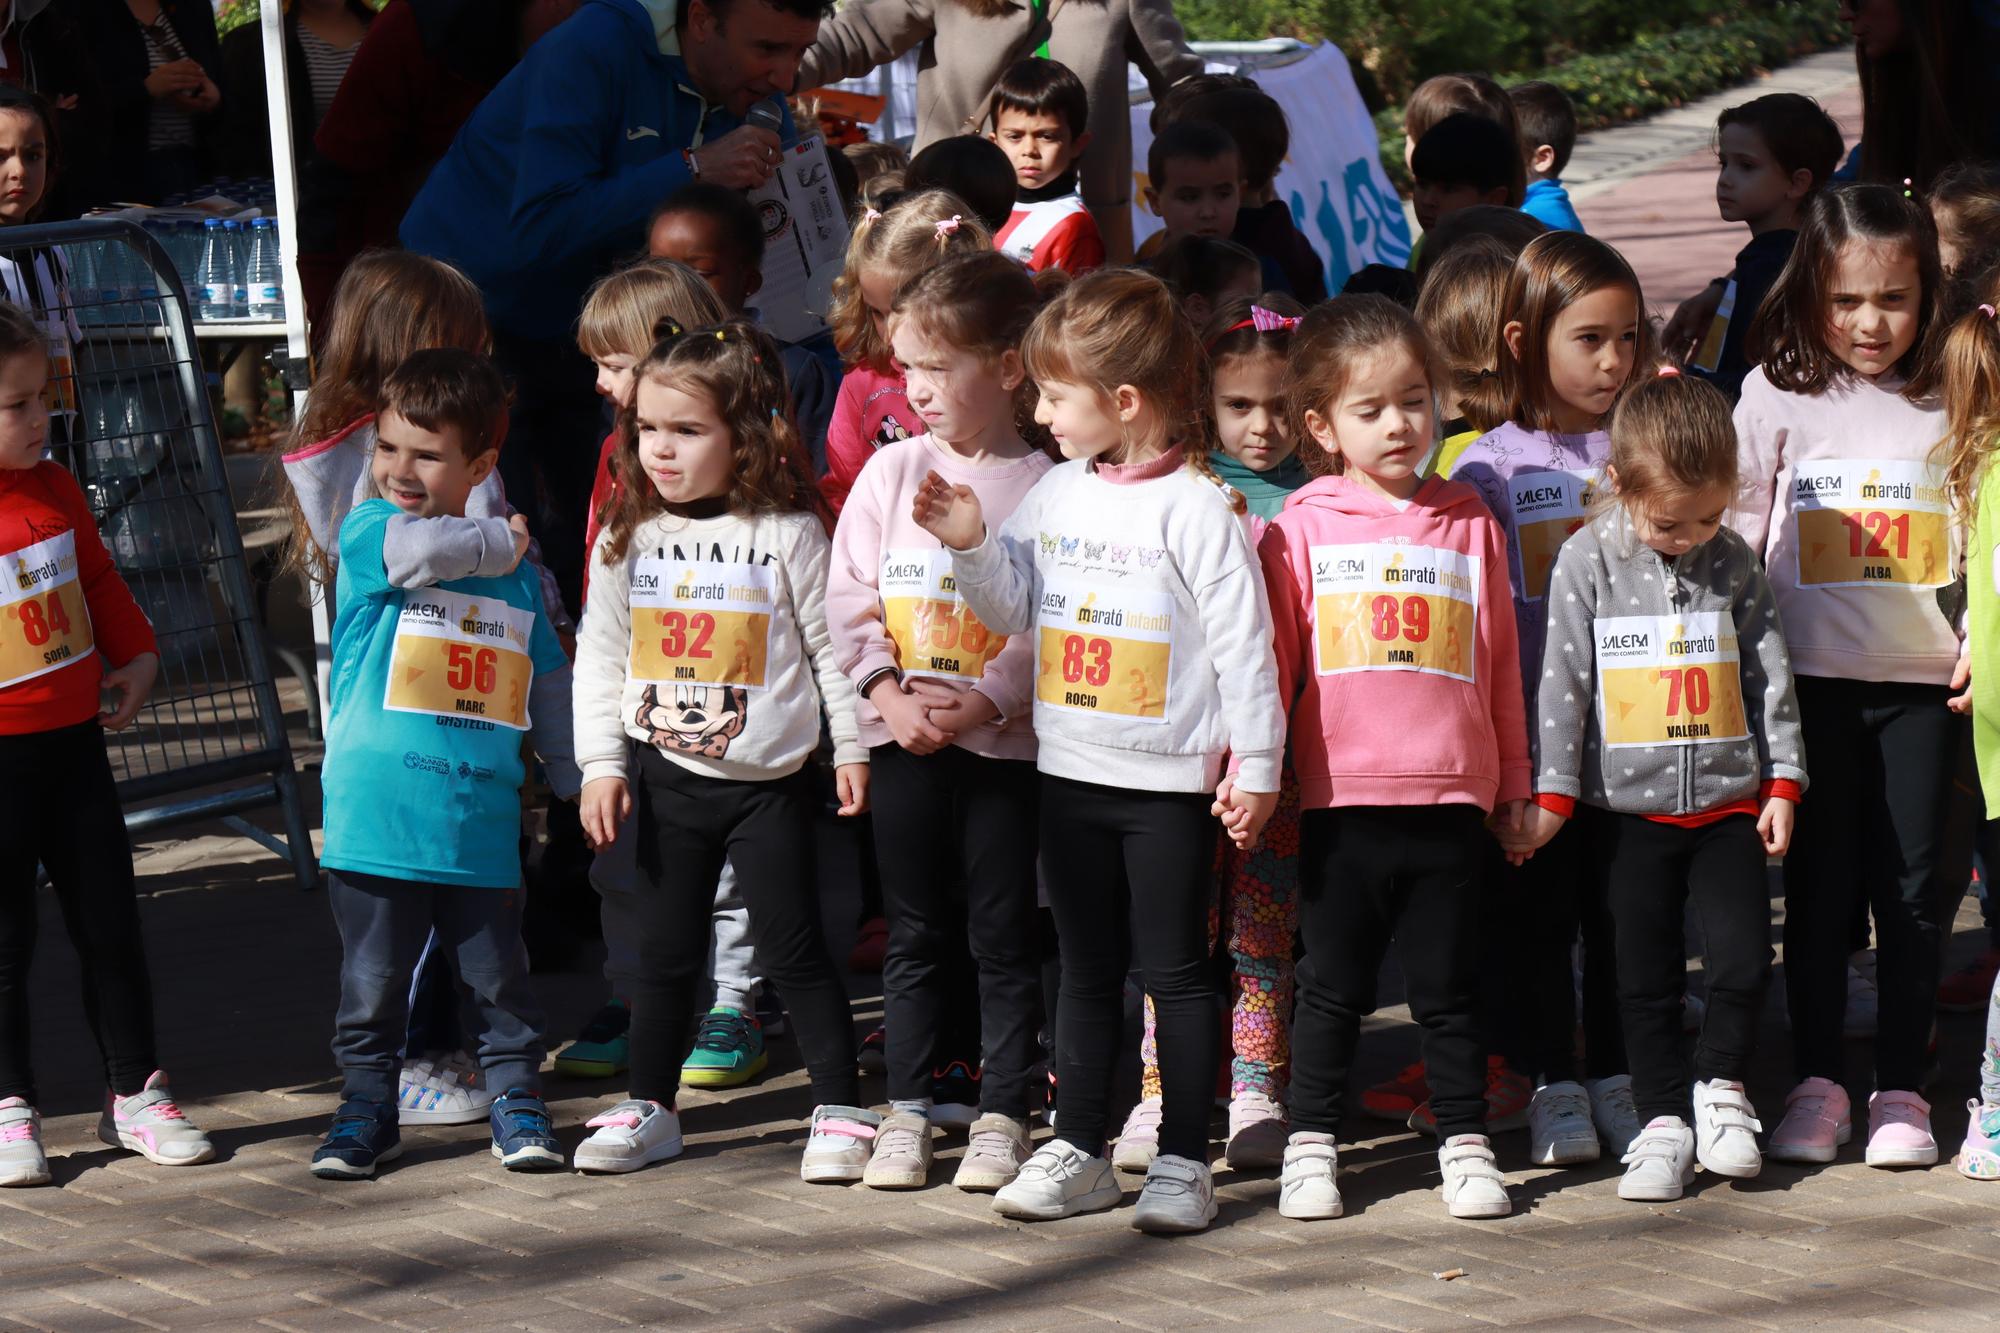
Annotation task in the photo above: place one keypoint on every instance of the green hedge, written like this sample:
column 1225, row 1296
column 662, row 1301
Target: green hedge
column 233, row 14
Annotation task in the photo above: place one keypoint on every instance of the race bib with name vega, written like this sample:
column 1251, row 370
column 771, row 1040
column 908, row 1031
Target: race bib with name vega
column 935, row 632
column 700, row 622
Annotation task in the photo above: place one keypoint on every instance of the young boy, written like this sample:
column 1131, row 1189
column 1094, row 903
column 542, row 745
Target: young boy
column 1464, row 159
column 1772, row 153
column 718, row 233
column 1194, row 183
column 443, row 657
column 1547, row 124
column 1040, row 109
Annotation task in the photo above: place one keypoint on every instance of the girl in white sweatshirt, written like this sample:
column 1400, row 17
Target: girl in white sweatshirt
column 703, row 663
column 1131, row 567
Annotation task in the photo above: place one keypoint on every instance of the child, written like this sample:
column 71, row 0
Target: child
column 1444, row 95
column 1664, row 656
column 887, row 250
column 1965, row 204
column 702, row 666
column 1132, row 568
column 1459, row 164
column 1459, row 308
column 717, row 232
column 37, row 280
column 1040, row 109
column 1253, row 446
column 971, row 167
column 1547, row 122
column 873, row 159
column 1205, row 273
column 945, row 717
column 442, row 659
column 1843, row 500
column 1773, row 154
column 1194, row 182
column 1573, row 337
column 1397, row 663
column 70, row 630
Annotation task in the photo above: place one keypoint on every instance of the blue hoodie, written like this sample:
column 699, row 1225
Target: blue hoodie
column 550, row 183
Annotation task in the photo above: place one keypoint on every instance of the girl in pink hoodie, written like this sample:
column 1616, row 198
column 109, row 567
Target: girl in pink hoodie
column 1398, row 665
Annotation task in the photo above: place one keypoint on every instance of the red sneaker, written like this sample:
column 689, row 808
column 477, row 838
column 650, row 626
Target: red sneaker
column 1507, row 1098
column 1967, row 990
column 1397, row 1098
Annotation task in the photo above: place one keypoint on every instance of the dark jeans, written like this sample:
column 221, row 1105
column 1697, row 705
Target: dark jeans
column 1130, row 880
column 1370, row 875
column 1560, row 894
column 61, row 811
column 954, row 835
column 1871, row 829
column 549, row 461
column 687, row 825
column 1653, row 873
column 384, row 925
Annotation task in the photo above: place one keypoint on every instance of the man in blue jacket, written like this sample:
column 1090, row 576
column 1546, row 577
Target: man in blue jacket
column 550, row 183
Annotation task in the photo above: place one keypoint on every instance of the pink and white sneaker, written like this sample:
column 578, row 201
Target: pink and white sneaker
column 1817, row 1121
column 22, row 1161
column 150, row 1124
column 1978, row 1158
column 1899, row 1130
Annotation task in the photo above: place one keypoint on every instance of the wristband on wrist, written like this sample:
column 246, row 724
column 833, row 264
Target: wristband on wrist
column 692, row 163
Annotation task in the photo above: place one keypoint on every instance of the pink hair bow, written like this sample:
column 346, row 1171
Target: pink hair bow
column 1270, row 321
column 946, row 226
column 1986, row 310
column 871, row 215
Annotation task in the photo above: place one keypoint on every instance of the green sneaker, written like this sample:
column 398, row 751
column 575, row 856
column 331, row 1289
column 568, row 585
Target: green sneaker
column 728, row 1050
column 603, row 1048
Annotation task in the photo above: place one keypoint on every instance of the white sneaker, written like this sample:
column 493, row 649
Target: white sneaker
column 1560, row 1132
column 1308, row 1190
column 150, row 1123
column 442, row 1089
column 1473, row 1185
column 995, row 1147
column 1257, row 1132
column 22, row 1161
column 628, row 1136
column 1139, row 1141
column 1178, row 1196
column 1058, row 1181
column 838, row 1148
column 1725, row 1130
column 1660, row 1162
column 1613, row 1112
column 1864, row 1004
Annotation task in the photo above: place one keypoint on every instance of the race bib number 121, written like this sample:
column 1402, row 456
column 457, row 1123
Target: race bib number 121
column 1870, row 523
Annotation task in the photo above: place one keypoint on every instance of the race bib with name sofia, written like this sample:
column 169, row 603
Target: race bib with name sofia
column 44, row 624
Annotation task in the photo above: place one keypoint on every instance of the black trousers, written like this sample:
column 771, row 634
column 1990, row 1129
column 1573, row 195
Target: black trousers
column 61, row 811
column 687, row 825
column 1130, row 881
column 1559, row 894
column 1871, row 830
column 955, row 839
column 1653, row 874
column 1370, row 876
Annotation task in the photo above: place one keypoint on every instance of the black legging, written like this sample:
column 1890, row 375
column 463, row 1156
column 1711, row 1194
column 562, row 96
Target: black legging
column 687, row 824
column 62, row 811
column 1130, row 880
column 1559, row 895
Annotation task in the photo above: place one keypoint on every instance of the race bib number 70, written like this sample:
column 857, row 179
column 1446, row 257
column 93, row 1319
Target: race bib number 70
column 1669, row 680
column 458, row 655
column 44, row 624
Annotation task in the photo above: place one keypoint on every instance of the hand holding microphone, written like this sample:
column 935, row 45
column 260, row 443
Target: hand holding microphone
column 744, row 158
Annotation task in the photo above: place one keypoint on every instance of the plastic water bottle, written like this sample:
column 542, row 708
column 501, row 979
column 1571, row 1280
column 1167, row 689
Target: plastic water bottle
column 239, row 269
column 267, row 288
column 215, row 280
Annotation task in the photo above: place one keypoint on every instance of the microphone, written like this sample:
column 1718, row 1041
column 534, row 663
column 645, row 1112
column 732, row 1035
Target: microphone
column 766, row 115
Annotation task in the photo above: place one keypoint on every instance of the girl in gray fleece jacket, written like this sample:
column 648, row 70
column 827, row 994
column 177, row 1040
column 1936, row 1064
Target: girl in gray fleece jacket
column 1666, row 707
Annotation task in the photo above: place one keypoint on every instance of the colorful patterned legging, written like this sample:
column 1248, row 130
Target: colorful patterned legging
column 1989, row 1064
column 1263, row 905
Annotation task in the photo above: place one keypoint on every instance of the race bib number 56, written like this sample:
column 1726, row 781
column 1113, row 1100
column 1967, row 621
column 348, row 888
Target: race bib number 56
column 1669, row 680
column 1104, row 650
column 458, row 655
column 1394, row 607
column 44, row 624
column 1870, row 523
column 700, row 622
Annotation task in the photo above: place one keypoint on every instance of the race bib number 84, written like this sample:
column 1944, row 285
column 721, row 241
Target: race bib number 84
column 1869, row 523
column 461, row 656
column 1392, row 607
column 1104, row 650
column 1669, row 680
column 698, row 622
column 44, row 624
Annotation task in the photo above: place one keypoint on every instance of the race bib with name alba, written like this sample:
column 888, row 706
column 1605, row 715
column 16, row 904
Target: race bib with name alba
column 44, row 624
column 1669, row 680
column 700, row 622
column 935, row 632
column 461, row 655
column 1390, row 606
column 1869, row 523
column 1104, row 650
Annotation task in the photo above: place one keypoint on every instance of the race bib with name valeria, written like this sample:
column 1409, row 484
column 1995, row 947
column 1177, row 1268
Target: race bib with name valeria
column 1669, row 680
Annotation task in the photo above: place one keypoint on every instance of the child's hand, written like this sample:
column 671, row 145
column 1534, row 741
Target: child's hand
column 1243, row 813
column 1774, row 825
column 1689, row 324
column 904, row 712
column 851, row 782
column 603, row 806
column 1538, row 826
column 521, row 540
column 1961, row 680
column 961, row 712
column 132, row 683
column 949, row 513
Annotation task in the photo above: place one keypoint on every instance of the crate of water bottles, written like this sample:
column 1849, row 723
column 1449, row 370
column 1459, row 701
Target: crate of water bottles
column 225, row 252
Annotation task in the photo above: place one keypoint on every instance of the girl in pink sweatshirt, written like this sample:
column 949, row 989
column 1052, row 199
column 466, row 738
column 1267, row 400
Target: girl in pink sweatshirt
column 1397, row 663
column 945, row 714
column 1843, row 498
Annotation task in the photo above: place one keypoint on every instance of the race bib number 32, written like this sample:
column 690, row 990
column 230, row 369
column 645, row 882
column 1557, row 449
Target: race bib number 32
column 1669, row 680
column 698, row 622
column 1867, row 523
column 1394, row 607
column 44, row 624
column 458, row 655
column 1104, row 650
column 934, row 631
column 1548, row 507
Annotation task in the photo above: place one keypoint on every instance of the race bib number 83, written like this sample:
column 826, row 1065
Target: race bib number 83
column 698, row 622
column 1669, row 680
column 1394, row 607
column 1104, row 650
column 44, row 624
column 1870, row 523
column 461, row 656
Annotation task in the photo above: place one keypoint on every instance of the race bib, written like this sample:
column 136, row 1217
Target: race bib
column 1548, row 507
column 1708, row 358
column 1871, row 522
column 1669, row 680
column 935, row 632
column 459, row 655
column 44, row 624
column 1105, row 650
column 1392, row 607
column 702, row 622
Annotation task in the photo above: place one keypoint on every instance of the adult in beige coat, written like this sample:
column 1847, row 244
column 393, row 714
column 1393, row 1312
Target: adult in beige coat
column 966, row 44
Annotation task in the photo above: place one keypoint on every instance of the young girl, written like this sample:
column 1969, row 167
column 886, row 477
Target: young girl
column 1841, row 497
column 945, row 717
column 1667, row 703
column 38, row 280
column 1573, row 335
column 1459, row 307
column 888, row 249
column 1397, row 663
column 702, row 666
column 1253, row 451
column 1133, row 569
column 70, row 630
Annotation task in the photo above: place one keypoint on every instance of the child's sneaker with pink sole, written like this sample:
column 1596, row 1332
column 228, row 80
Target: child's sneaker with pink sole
column 150, row 1123
column 1979, row 1156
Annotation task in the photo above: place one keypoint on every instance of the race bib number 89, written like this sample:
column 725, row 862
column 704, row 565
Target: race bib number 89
column 1393, row 607
column 44, row 624
column 698, row 622
column 1669, row 680
column 1870, row 523
column 1104, row 650
column 461, row 656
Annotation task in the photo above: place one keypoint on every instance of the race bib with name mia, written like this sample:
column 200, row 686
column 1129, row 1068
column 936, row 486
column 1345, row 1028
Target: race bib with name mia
column 702, row 622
